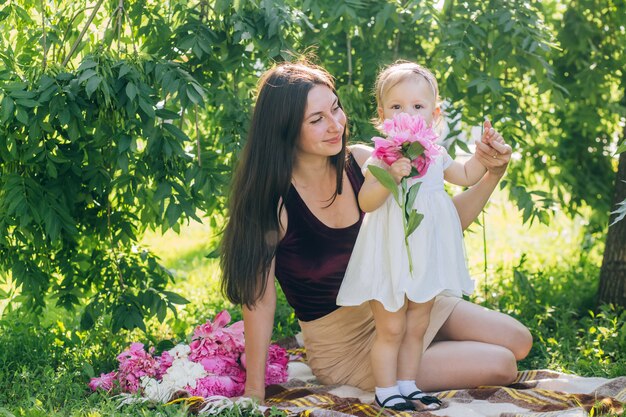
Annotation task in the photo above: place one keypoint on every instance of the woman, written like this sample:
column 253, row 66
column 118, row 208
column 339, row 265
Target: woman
column 294, row 215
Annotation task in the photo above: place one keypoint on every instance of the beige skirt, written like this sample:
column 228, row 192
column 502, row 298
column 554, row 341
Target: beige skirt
column 338, row 345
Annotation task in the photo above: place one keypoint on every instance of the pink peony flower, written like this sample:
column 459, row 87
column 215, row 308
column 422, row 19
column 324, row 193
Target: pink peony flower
column 212, row 339
column 405, row 127
column 386, row 150
column 224, row 366
column 164, row 361
column 217, row 385
column 104, row 381
column 277, row 356
column 135, row 362
column 275, row 374
column 401, row 132
column 210, row 365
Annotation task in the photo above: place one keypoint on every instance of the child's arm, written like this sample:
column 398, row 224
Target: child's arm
column 373, row 194
column 470, row 173
column 466, row 174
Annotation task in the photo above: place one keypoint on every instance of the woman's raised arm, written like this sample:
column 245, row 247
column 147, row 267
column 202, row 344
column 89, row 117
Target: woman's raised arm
column 495, row 157
column 258, row 324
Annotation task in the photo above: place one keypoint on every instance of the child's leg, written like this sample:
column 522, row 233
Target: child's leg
column 410, row 355
column 390, row 331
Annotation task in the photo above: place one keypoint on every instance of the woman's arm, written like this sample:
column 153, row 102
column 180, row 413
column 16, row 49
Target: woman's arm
column 258, row 322
column 470, row 203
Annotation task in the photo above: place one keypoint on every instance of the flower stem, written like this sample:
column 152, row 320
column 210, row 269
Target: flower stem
column 404, row 224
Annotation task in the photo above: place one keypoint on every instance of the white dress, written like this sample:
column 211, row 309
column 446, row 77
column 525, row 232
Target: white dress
column 379, row 267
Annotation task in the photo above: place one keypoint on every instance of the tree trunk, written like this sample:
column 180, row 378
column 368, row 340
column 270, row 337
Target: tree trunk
column 613, row 272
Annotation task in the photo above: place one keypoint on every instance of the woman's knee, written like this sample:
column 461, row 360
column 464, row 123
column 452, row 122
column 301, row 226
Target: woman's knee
column 521, row 341
column 502, row 367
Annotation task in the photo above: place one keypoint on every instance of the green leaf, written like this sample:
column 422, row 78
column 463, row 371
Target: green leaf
column 386, row 180
column 26, row 102
column 621, row 148
column 86, row 321
column 174, row 130
column 124, row 143
column 22, row 116
column 173, row 213
column 86, row 64
column 412, row 194
column 51, row 169
column 65, row 116
column 88, row 370
column 147, row 108
column 122, row 162
column 163, row 190
column 92, row 85
column 164, row 345
column 167, row 114
column 175, row 298
column 86, row 75
column 22, row 94
column 461, row 144
column 7, row 109
column 193, row 94
column 414, row 150
column 72, row 130
column 415, row 219
column 131, row 91
column 124, row 69
column 161, row 310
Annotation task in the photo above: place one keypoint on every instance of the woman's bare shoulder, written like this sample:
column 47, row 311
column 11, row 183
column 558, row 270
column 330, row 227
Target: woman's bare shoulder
column 361, row 152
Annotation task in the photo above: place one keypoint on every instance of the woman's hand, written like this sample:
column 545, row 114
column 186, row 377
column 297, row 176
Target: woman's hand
column 492, row 151
column 255, row 394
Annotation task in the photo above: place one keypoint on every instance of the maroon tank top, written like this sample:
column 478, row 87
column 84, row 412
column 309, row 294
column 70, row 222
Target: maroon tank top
column 311, row 259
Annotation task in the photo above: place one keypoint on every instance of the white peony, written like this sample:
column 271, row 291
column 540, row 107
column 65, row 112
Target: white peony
column 180, row 351
column 156, row 391
column 183, row 373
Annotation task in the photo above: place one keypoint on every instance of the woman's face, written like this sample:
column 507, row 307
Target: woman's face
column 414, row 96
column 323, row 125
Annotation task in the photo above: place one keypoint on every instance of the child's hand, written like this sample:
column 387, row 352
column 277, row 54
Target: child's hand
column 400, row 169
column 490, row 134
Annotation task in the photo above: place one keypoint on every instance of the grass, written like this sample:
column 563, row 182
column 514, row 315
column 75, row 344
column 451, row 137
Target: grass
column 541, row 275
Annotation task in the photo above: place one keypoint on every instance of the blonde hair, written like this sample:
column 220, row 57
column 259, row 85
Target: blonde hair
column 399, row 71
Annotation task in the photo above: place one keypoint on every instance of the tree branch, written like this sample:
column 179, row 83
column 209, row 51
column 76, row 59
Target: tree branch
column 82, row 33
column 349, row 56
column 43, row 31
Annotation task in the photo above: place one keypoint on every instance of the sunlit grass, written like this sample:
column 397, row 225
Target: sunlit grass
column 508, row 240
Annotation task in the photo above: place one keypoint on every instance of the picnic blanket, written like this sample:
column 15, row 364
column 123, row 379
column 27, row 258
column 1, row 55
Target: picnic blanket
column 535, row 393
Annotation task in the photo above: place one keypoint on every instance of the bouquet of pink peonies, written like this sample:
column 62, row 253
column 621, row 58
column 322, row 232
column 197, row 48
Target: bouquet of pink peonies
column 212, row 364
column 411, row 137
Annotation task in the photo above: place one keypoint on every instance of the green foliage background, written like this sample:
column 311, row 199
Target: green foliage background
column 121, row 116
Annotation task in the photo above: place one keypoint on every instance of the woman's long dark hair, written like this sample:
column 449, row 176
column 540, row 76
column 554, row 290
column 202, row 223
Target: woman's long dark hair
column 263, row 177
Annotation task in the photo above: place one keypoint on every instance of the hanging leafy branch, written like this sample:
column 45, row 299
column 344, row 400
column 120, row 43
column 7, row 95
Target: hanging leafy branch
column 90, row 160
column 141, row 125
column 497, row 66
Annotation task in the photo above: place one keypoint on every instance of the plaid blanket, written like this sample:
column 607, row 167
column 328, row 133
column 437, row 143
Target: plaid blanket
column 535, row 393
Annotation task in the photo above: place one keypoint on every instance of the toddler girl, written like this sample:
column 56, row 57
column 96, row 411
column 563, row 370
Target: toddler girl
column 379, row 272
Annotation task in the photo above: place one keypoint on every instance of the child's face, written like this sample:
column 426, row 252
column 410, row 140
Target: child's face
column 414, row 96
